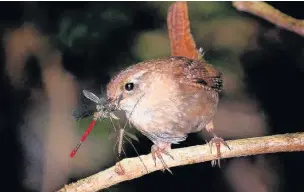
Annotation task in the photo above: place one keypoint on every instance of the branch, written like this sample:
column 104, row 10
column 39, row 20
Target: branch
column 133, row 167
column 272, row 15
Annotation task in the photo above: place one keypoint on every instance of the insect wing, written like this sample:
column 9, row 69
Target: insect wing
column 83, row 111
column 90, row 96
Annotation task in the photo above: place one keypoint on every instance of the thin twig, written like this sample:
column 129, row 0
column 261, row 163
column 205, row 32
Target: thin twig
column 134, row 168
column 272, row 15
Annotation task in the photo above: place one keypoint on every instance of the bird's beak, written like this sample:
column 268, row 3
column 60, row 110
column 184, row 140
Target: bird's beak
column 113, row 104
column 110, row 106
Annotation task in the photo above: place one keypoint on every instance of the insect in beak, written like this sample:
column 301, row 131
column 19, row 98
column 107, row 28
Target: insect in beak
column 104, row 111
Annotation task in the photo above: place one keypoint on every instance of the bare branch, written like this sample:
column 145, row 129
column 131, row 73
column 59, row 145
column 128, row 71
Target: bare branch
column 272, row 15
column 133, row 167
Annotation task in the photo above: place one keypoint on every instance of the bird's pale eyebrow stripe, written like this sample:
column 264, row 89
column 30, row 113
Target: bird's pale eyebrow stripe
column 139, row 74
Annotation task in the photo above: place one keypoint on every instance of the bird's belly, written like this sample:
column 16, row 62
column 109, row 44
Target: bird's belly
column 172, row 121
column 170, row 130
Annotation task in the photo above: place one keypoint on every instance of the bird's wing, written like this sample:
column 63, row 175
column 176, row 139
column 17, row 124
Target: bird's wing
column 199, row 73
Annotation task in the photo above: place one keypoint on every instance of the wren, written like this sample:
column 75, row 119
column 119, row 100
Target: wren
column 168, row 98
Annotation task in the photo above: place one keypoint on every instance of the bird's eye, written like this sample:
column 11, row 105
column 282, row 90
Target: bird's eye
column 129, row 86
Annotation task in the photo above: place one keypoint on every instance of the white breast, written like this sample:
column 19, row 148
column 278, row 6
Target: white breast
column 140, row 118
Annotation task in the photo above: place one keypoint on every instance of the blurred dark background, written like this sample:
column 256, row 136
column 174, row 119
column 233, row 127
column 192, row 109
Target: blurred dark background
column 262, row 64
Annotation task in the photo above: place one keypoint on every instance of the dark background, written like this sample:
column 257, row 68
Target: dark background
column 94, row 47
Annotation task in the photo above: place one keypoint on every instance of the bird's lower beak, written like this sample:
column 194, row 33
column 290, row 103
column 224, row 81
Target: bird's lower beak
column 110, row 107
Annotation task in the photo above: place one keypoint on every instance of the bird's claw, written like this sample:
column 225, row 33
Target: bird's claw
column 157, row 152
column 119, row 169
column 217, row 141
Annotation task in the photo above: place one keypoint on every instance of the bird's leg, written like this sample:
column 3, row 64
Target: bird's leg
column 158, row 149
column 217, row 141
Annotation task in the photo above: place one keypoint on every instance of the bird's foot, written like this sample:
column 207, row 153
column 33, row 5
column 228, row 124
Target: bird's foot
column 157, row 151
column 119, row 169
column 217, row 141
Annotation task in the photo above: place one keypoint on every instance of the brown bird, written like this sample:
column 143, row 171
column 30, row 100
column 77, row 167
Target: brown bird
column 166, row 99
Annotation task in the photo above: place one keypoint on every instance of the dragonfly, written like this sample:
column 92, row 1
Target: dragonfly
column 101, row 112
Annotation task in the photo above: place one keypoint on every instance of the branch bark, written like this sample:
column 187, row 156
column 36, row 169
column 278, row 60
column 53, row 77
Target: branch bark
column 134, row 168
column 272, row 15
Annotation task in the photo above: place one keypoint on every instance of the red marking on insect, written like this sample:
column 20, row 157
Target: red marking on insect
column 83, row 138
